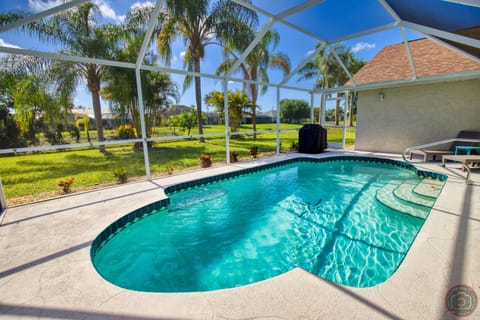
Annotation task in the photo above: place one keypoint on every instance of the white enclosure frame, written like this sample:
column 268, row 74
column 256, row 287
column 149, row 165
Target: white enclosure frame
column 324, row 98
column 426, row 31
column 3, row 200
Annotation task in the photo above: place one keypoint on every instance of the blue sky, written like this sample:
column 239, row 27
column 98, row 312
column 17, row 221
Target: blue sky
column 330, row 19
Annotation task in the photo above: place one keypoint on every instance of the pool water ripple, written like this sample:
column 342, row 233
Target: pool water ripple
column 323, row 217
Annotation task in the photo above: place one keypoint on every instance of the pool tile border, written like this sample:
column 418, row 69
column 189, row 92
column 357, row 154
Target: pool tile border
column 140, row 213
column 124, row 221
column 226, row 176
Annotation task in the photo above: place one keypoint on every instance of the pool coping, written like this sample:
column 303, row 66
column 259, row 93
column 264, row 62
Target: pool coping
column 46, row 270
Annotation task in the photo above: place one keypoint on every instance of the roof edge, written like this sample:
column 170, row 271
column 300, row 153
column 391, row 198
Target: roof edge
column 446, row 77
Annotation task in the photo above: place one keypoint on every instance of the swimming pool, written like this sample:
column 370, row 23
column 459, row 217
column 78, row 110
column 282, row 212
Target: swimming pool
column 350, row 220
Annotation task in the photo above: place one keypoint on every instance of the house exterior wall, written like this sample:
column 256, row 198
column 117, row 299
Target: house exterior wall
column 415, row 115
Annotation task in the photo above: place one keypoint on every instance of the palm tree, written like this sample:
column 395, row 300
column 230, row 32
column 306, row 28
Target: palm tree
column 354, row 65
column 36, row 93
column 159, row 91
column 329, row 73
column 121, row 88
column 255, row 65
column 201, row 23
column 79, row 35
column 237, row 100
column 324, row 69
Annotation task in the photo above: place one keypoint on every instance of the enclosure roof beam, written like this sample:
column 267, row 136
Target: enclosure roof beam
column 473, row 3
column 266, row 28
column 212, row 76
column 298, row 8
column 343, row 66
column 148, row 35
column 441, row 34
column 66, row 57
column 387, row 26
column 129, row 65
column 254, row 8
column 268, row 14
column 453, row 48
column 250, row 47
column 304, row 31
column 389, row 9
column 409, row 54
column 303, row 63
column 41, row 15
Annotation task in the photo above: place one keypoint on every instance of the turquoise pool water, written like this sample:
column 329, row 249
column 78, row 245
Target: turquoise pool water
column 324, row 217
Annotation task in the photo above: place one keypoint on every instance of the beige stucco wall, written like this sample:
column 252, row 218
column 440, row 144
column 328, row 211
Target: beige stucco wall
column 414, row 115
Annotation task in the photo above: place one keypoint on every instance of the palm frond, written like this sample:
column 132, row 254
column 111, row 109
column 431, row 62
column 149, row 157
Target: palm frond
column 230, row 20
column 165, row 38
column 263, row 76
column 280, row 61
column 23, row 65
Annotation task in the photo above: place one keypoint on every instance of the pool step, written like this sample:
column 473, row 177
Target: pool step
column 429, row 188
column 405, row 192
column 386, row 196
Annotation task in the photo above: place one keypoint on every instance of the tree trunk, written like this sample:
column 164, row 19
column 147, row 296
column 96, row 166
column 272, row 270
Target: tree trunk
column 136, row 119
column 198, row 96
column 352, row 102
column 337, row 111
column 254, row 110
column 97, row 110
column 94, row 87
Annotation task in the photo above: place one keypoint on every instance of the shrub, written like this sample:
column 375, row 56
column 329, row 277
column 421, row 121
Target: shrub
column 205, row 161
column 66, row 183
column 254, row 151
column 10, row 135
column 169, row 168
column 233, row 156
column 53, row 134
column 74, row 132
column 294, row 146
column 125, row 132
column 121, row 175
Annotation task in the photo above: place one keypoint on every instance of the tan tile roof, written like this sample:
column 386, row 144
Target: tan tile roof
column 430, row 58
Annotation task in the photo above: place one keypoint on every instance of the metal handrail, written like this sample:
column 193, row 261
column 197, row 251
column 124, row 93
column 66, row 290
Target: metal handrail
column 436, row 143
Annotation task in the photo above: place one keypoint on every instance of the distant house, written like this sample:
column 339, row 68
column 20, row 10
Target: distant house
column 262, row 117
column 211, row 118
column 393, row 115
column 107, row 117
column 214, row 118
column 175, row 110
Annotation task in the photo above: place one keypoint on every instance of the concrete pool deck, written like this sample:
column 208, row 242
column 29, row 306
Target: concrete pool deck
column 46, row 272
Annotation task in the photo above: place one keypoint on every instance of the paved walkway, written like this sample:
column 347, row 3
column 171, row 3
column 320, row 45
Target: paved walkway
column 46, row 272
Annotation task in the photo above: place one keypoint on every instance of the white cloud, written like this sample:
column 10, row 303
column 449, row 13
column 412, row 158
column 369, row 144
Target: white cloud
column 141, row 5
column 309, row 52
column 6, row 44
column 107, row 11
column 182, row 54
column 174, row 59
column 359, row 46
column 40, row 5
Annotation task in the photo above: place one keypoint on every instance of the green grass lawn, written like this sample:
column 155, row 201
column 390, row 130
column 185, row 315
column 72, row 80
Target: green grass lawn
column 35, row 173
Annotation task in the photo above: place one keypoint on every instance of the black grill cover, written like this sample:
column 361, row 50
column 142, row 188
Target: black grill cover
column 312, row 138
